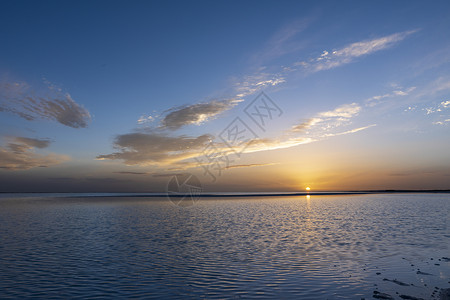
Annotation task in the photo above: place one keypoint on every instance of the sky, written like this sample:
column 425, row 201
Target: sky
column 268, row 96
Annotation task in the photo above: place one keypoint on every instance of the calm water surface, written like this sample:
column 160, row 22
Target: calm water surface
column 318, row 247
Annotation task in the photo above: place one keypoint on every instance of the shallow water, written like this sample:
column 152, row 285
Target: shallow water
column 318, row 247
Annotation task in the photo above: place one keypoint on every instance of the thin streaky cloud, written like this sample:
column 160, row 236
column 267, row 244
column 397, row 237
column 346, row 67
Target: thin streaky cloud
column 372, row 101
column 32, row 142
column 330, row 59
column 343, row 111
column 327, row 120
column 131, row 173
column 350, row 131
column 284, row 143
column 306, row 125
column 275, row 144
column 251, row 84
column 167, row 174
column 249, row 165
column 438, row 85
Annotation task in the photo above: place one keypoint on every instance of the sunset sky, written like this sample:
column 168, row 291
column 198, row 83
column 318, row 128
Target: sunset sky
column 118, row 96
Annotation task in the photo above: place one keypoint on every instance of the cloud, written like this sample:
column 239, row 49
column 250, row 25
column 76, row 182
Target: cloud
column 258, row 145
column 155, row 149
column 158, row 148
column 251, row 84
column 372, row 101
column 178, row 152
column 167, row 174
column 445, row 104
column 306, row 125
column 440, row 107
column 131, row 173
column 343, row 111
column 145, row 119
column 350, row 131
column 52, row 104
column 200, row 113
column 19, row 154
column 30, row 142
column 327, row 120
column 249, row 165
column 322, row 125
column 334, row 58
column 284, row 142
column 196, row 114
column 418, row 172
column 444, row 122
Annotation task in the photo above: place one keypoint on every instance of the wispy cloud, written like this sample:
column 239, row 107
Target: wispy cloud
column 19, row 154
column 167, row 174
column 288, row 142
column 251, row 84
column 323, row 125
column 420, row 172
column 438, row 85
column 328, row 120
column 349, row 131
column 276, row 143
column 440, row 112
column 52, row 104
column 372, row 101
column 145, row 119
column 343, row 111
column 334, row 58
column 440, row 107
column 443, row 122
column 306, row 125
column 445, row 104
column 30, row 142
column 249, row 165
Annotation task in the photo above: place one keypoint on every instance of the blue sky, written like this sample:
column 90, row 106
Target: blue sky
column 119, row 96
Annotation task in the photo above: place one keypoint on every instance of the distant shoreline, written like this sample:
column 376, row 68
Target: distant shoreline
column 213, row 195
column 235, row 195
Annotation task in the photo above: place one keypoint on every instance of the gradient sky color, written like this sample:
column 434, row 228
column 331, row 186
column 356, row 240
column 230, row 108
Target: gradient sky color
column 117, row 96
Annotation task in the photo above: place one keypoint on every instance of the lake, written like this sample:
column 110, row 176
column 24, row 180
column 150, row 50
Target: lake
column 300, row 247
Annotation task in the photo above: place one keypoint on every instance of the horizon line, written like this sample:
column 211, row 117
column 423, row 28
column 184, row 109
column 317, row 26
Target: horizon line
column 233, row 194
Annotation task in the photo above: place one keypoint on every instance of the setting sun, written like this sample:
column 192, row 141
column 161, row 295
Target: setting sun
column 308, row 188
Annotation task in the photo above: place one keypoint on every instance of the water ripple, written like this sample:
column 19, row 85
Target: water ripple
column 309, row 248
